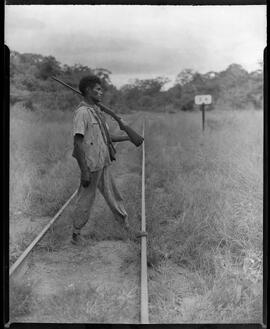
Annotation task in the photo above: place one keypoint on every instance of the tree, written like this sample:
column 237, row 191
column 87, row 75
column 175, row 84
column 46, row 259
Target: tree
column 73, row 74
column 104, row 76
column 144, row 94
column 234, row 74
column 238, row 87
column 47, row 67
column 174, row 95
column 185, row 76
column 150, row 86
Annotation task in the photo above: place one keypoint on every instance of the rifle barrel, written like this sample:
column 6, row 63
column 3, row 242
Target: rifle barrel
column 66, row 85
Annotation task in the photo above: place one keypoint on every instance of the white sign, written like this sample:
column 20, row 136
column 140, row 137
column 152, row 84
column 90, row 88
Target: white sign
column 203, row 99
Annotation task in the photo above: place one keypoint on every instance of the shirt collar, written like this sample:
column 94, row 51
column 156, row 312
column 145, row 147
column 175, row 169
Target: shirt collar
column 91, row 106
column 84, row 103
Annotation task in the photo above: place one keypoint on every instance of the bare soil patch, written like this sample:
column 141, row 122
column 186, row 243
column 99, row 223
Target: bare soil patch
column 95, row 283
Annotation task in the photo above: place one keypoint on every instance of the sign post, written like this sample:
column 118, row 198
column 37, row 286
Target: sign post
column 203, row 115
column 203, row 100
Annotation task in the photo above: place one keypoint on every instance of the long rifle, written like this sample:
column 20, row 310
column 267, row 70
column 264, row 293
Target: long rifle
column 135, row 138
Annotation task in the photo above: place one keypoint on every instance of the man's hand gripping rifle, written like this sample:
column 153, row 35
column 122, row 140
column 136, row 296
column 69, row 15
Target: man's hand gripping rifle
column 135, row 138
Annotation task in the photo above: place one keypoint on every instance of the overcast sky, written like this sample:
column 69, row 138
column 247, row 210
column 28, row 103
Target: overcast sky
column 140, row 41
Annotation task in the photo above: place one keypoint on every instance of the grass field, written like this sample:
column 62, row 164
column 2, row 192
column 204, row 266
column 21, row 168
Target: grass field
column 40, row 149
column 204, row 206
column 42, row 174
column 204, row 202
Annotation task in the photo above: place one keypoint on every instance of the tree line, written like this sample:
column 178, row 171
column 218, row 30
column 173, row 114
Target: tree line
column 233, row 88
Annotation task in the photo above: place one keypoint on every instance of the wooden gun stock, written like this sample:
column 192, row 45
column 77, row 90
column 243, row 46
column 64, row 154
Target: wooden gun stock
column 135, row 138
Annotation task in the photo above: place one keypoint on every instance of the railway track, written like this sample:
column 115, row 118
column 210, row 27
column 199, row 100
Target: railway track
column 19, row 267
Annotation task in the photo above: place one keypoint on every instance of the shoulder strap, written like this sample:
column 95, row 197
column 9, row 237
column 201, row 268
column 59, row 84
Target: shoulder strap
column 108, row 140
column 102, row 127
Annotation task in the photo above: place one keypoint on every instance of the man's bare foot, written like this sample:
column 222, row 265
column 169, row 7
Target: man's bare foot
column 123, row 221
column 126, row 224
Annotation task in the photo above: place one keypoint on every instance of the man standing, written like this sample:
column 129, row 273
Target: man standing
column 91, row 150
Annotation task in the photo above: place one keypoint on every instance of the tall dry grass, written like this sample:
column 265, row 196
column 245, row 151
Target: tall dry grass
column 42, row 171
column 205, row 212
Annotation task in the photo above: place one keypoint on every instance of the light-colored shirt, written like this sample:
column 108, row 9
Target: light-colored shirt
column 85, row 122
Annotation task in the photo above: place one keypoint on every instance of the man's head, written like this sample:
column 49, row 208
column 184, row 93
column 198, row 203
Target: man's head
column 90, row 87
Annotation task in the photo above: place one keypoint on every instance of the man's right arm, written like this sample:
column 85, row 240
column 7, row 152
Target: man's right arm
column 79, row 154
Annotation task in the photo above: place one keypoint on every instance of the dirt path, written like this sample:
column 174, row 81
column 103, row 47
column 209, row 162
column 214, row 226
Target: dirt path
column 22, row 231
column 98, row 283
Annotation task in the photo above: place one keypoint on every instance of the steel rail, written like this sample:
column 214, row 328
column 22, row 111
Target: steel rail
column 144, row 288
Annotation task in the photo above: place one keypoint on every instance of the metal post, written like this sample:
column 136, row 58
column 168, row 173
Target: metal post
column 203, row 115
column 144, row 288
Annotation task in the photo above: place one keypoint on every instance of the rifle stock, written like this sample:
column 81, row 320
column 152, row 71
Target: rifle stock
column 135, row 138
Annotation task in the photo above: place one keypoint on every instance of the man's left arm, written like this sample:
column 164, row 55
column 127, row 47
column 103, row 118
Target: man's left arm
column 116, row 138
column 119, row 138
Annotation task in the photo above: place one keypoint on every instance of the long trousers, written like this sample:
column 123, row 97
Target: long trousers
column 102, row 180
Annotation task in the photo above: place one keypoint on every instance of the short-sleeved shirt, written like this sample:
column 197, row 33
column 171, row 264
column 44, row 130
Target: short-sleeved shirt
column 86, row 123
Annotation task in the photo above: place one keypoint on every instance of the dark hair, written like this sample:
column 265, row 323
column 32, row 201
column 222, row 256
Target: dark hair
column 88, row 81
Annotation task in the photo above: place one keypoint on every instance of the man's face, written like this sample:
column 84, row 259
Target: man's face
column 95, row 93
